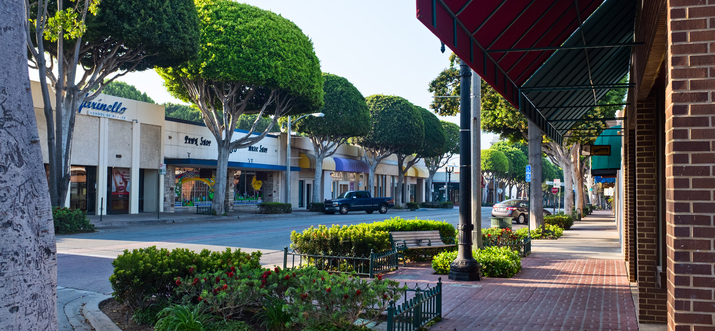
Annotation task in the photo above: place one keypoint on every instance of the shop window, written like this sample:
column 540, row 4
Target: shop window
column 83, row 188
column 191, row 189
column 248, row 186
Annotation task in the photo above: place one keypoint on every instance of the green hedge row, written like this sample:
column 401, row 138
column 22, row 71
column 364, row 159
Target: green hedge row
column 69, row 221
column 146, row 272
column 359, row 239
column 437, row 204
column 274, row 208
column 495, row 261
column 563, row 221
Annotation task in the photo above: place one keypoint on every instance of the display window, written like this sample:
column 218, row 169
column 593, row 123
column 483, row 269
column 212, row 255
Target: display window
column 248, row 186
column 194, row 187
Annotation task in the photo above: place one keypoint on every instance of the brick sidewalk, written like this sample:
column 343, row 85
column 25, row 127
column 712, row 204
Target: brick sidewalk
column 548, row 294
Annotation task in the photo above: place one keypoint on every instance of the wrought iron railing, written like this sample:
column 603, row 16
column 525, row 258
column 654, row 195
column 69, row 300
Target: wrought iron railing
column 416, row 312
column 522, row 245
column 370, row 266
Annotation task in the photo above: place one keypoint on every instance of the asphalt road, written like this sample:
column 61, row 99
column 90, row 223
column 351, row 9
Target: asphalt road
column 84, row 260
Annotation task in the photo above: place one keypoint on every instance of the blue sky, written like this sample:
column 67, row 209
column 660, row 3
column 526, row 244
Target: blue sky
column 379, row 46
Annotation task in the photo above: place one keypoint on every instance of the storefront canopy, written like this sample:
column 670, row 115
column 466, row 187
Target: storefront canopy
column 551, row 59
column 307, row 161
column 201, row 163
column 608, row 165
column 349, row 165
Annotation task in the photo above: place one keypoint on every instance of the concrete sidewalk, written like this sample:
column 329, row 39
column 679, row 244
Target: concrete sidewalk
column 577, row 282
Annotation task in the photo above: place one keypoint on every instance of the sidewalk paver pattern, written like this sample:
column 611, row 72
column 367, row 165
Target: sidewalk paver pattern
column 548, row 294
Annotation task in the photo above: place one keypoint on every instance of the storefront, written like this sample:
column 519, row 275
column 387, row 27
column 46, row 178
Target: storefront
column 116, row 154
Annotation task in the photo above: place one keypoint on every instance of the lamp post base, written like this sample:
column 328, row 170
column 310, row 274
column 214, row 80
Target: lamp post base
column 465, row 270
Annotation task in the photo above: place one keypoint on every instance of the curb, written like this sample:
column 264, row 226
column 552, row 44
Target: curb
column 96, row 318
column 169, row 220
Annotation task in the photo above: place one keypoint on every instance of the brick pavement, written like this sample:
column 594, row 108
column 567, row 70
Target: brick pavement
column 548, row 294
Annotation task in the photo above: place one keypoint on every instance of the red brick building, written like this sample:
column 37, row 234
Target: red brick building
column 554, row 59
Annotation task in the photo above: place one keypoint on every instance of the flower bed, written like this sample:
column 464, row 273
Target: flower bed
column 500, row 262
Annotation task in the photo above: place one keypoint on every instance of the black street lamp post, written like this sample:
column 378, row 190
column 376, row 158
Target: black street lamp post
column 465, row 267
column 450, row 170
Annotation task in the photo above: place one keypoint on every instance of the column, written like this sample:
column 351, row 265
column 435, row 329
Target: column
column 134, row 170
column 102, row 202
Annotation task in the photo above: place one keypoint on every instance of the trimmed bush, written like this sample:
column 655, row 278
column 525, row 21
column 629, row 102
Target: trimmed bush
column 563, row 221
column 274, row 208
column 495, row 261
column 552, row 232
column 316, row 206
column 69, row 221
column 446, row 230
column 497, row 236
column 436, row 204
column 146, row 272
column 413, row 205
column 447, row 204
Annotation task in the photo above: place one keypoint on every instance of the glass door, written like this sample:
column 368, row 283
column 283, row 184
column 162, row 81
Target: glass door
column 300, row 193
column 118, row 190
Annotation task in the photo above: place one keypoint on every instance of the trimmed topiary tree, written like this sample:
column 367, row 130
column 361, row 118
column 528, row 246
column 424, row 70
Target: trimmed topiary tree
column 451, row 147
column 346, row 116
column 251, row 61
column 395, row 124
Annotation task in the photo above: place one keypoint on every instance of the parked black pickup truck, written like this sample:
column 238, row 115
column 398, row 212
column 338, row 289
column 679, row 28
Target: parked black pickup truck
column 358, row 200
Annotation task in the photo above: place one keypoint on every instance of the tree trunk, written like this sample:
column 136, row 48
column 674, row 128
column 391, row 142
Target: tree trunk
column 219, row 199
column 578, row 202
column 429, row 187
column 400, row 180
column 536, row 212
column 371, row 178
column 318, row 182
column 28, row 276
column 568, row 188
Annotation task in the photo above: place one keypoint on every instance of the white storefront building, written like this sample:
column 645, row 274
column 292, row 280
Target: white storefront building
column 120, row 144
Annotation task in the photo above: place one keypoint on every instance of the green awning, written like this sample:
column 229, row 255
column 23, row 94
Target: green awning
column 608, row 165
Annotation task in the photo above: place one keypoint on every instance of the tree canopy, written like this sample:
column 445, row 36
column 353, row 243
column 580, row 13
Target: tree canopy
column 451, row 137
column 434, row 140
column 124, row 90
column 268, row 54
column 396, row 124
column 494, row 161
column 517, row 162
column 346, row 113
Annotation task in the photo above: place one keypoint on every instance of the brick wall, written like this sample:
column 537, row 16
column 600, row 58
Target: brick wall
column 652, row 298
column 629, row 229
column 690, row 156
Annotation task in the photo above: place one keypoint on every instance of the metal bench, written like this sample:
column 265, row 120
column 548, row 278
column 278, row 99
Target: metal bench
column 404, row 240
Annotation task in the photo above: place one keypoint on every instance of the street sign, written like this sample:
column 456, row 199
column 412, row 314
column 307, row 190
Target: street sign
column 528, row 170
column 557, row 181
column 554, row 190
column 528, row 177
column 162, row 169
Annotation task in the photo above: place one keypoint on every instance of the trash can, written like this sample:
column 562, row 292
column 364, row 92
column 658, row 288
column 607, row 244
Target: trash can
column 501, row 222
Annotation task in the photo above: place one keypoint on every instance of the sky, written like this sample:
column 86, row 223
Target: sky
column 379, row 46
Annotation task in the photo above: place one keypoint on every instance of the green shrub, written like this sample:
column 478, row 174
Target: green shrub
column 413, row 205
column 430, row 204
column 274, row 208
column 446, row 204
column 497, row 236
column 149, row 314
column 563, row 221
column 69, row 221
column 146, row 272
column 500, row 262
column 552, row 232
column 446, row 230
column 346, row 240
column 185, row 318
column 316, row 206
column 272, row 315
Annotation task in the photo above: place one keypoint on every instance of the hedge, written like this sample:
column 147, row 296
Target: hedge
column 563, row 221
column 436, row 204
column 274, row 208
column 68, row 221
column 316, row 206
column 142, row 273
column 495, row 261
column 359, row 239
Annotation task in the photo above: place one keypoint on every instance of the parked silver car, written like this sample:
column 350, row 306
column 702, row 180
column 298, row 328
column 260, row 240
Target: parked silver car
column 515, row 208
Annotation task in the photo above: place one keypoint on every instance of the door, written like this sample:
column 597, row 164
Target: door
column 308, row 194
column 301, row 183
column 118, row 190
column 361, row 202
column 91, row 190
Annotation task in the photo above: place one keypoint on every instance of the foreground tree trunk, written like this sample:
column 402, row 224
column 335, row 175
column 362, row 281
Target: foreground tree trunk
column 536, row 212
column 318, row 182
column 28, row 258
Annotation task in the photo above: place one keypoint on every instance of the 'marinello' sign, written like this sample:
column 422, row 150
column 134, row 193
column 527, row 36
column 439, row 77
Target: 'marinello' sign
column 104, row 106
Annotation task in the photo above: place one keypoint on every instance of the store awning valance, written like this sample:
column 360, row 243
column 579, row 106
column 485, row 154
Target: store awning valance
column 551, row 59
column 608, row 165
column 349, row 165
column 307, row 161
column 417, row 172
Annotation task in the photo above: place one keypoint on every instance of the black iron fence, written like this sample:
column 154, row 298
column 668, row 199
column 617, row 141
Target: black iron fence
column 416, row 312
column 369, row 266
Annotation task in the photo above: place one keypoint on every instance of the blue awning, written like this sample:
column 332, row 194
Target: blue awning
column 599, row 179
column 349, row 165
column 198, row 163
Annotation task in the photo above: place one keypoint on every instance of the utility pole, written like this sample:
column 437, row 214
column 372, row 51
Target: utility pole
column 465, row 267
column 476, row 160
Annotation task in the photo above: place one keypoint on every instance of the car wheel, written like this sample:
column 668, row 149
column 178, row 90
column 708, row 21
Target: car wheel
column 521, row 219
column 344, row 209
column 383, row 209
column 369, row 211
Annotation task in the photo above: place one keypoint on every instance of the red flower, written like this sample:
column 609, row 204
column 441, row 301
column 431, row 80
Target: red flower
column 358, row 292
column 230, row 275
column 178, row 282
column 287, row 277
column 204, row 278
column 248, row 277
column 294, row 274
column 218, row 279
column 345, row 296
column 327, row 290
column 233, row 268
column 201, row 299
column 304, row 295
column 225, row 286
column 313, row 280
column 321, row 278
column 191, row 270
column 277, row 269
column 384, row 296
column 379, row 277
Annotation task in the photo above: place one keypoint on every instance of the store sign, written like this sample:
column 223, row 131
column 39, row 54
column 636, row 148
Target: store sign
column 101, row 109
column 259, row 149
column 200, row 141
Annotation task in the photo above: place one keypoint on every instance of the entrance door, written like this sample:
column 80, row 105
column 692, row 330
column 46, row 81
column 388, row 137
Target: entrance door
column 308, row 194
column 301, row 183
column 118, row 190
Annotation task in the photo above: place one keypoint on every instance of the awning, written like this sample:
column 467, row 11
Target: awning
column 307, row 161
column 201, row 163
column 349, row 165
column 417, row 171
column 608, row 165
column 552, row 59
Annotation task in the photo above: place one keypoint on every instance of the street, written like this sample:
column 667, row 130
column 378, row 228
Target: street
column 84, row 260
